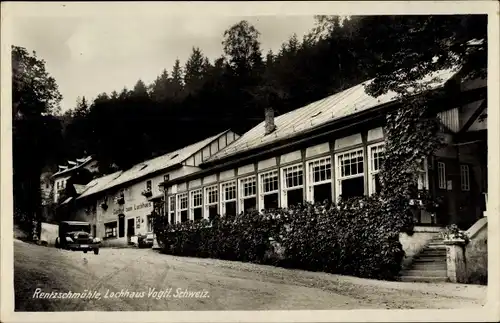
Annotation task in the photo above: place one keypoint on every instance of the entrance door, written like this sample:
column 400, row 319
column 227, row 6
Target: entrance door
column 121, row 225
column 130, row 227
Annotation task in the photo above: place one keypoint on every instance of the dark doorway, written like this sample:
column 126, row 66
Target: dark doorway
column 121, row 225
column 130, row 227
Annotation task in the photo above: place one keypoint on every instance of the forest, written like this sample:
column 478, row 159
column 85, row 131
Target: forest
column 198, row 98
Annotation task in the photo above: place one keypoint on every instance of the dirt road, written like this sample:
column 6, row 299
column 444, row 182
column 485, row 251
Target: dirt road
column 143, row 279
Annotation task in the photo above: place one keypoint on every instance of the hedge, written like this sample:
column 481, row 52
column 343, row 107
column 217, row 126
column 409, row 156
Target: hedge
column 355, row 237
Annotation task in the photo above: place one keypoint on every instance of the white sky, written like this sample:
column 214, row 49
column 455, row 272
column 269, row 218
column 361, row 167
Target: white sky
column 94, row 53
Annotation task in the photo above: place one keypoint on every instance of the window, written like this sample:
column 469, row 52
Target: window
column 196, row 205
column 171, row 209
column 248, row 194
column 228, row 198
column 376, row 156
column 464, row 178
column 211, row 201
column 441, row 175
column 293, row 185
column 269, row 190
column 148, row 186
column 320, row 180
column 110, row 229
column 150, row 223
column 423, row 180
column 350, row 174
column 138, row 222
column 166, row 178
column 182, row 207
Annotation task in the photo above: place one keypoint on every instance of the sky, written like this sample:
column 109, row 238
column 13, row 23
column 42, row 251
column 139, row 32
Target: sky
column 94, row 53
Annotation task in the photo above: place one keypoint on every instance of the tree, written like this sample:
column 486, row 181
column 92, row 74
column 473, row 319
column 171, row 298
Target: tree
column 195, row 70
column 36, row 133
column 242, row 47
column 176, row 90
column 140, row 90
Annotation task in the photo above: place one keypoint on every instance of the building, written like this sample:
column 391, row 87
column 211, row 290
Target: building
column 59, row 180
column 331, row 148
column 120, row 205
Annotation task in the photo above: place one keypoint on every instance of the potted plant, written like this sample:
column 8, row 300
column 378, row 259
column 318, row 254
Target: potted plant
column 147, row 193
column 104, row 206
column 452, row 233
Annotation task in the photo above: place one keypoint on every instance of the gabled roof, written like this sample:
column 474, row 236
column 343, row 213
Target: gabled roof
column 79, row 189
column 150, row 166
column 334, row 107
column 80, row 162
column 96, row 185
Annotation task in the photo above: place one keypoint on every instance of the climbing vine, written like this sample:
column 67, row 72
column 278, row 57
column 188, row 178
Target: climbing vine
column 412, row 136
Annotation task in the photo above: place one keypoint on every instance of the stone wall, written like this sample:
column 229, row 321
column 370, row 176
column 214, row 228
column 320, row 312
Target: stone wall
column 476, row 253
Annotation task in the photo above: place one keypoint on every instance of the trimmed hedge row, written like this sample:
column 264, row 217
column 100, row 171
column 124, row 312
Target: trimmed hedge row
column 355, row 237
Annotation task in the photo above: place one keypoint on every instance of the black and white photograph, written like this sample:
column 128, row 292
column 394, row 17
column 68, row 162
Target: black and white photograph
column 215, row 157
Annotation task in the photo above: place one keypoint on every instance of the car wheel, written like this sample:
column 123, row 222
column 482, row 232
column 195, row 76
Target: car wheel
column 84, row 251
column 96, row 251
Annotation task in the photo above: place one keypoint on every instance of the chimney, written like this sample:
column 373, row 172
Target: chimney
column 269, row 121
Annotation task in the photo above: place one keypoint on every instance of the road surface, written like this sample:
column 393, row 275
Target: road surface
column 144, row 280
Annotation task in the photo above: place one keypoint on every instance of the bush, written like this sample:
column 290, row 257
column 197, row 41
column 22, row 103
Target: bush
column 355, row 237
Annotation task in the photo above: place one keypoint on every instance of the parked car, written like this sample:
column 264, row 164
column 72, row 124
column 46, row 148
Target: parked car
column 75, row 235
column 145, row 240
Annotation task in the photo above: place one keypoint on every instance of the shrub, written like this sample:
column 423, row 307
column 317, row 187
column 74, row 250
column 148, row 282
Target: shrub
column 355, row 237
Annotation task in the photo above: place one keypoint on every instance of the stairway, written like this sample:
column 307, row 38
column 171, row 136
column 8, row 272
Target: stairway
column 429, row 265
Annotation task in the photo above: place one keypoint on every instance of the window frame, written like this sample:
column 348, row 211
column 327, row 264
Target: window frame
column 223, row 201
column 171, row 198
column 338, row 170
column 310, row 176
column 261, row 185
column 207, row 204
column 372, row 172
column 441, row 170
column 192, row 199
column 149, row 185
column 465, row 178
column 114, row 230
column 179, row 210
column 284, row 189
column 241, row 188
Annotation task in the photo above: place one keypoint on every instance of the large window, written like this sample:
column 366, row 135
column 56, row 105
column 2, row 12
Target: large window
column 423, row 179
column 376, row 156
column 110, row 229
column 182, row 207
column 293, row 185
column 248, row 194
column 228, row 198
column 171, row 209
column 211, row 201
column 464, row 178
column 350, row 174
column 441, row 175
column 196, row 204
column 269, row 190
column 320, row 180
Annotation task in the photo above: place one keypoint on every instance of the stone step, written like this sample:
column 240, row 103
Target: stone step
column 430, row 255
column 436, row 259
column 433, row 253
column 435, row 247
column 436, row 243
column 428, row 266
column 425, row 273
column 423, row 279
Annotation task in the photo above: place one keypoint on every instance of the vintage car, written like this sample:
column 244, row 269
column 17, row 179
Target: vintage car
column 75, row 235
column 145, row 240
